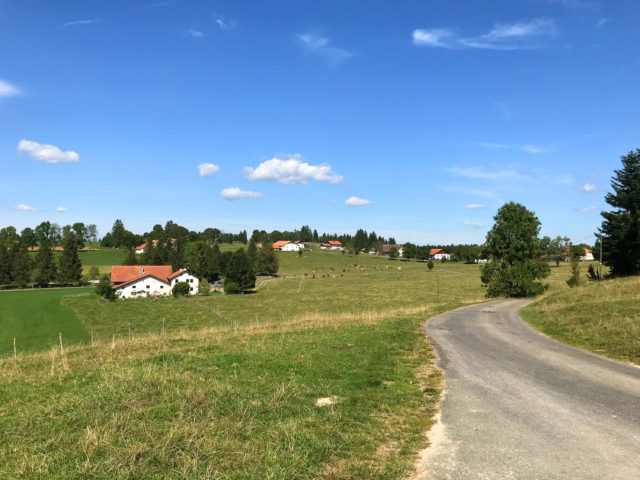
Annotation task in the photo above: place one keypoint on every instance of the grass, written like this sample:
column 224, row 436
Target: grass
column 602, row 317
column 229, row 391
column 35, row 317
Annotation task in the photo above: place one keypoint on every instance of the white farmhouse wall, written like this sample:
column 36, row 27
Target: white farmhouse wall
column 440, row 256
column 143, row 287
column 291, row 247
column 187, row 278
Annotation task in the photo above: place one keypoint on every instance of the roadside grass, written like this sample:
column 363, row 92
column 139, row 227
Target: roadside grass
column 602, row 317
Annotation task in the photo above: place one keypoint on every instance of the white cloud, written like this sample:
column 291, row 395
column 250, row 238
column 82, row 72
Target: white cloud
column 496, row 146
column 503, row 36
column 47, row 153
column 535, row 149
column 481, row 173
column 469, row 223
column 355, row 201
column 321, row 46
column 587, row 209
column 8, row 90
column 588, row 188
column 208, row 169
column 223, row 22
column 476, row 205
column 192, row 32
column 62, row 209
column 436, row 37
column 80, row 22
column 290, row 169
column 234, row 193
column 602, row 22
column 26, row 208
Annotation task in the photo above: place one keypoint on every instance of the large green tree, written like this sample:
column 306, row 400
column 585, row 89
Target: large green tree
column 240, row 271
column 45, row 266
column 267, row 261
column 621, row 226
column 21, row 265
column 69, row 266
column 516, row 267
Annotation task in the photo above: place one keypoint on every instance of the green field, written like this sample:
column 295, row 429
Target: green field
column 35, row 317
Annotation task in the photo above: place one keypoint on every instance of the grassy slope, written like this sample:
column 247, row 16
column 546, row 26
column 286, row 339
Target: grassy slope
column 224, row 396
column 603, row 317
column 35, row 317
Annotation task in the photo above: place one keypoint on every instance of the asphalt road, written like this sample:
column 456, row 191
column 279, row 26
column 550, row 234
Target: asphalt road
column 518, row 405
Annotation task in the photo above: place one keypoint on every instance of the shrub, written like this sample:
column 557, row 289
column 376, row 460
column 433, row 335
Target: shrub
column 180, row 289
column 104, row 288
column 203, row 287
column 430, row 265
column 232, row 287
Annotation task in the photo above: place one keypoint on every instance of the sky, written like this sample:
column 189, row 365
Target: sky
column 416, row 119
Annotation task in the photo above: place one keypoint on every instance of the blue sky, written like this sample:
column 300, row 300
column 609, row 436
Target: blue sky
column 416, row 119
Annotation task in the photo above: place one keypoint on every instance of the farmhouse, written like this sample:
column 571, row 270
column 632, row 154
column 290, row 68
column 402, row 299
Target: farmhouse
column 439, row 254
column 588, row 256
column 386, row 248
column 140, row 248
column 151, row 280
column 332, row 245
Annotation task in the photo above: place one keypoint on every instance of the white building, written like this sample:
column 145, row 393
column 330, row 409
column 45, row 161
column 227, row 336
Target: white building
column 332, row 245
column 141, row 248
column 133, row 281
column 588, row 256
column 439, row 254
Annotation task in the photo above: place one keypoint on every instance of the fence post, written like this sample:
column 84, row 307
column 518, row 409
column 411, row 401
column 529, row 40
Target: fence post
column 163, row 326
column 129, row 330
column 60, row 338
column 92, row 337
column 15, row 352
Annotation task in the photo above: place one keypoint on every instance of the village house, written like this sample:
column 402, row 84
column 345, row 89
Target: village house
column 140, row 248
column 332, row 245
column 132, row 281
column 386, row 248
column 439, row 254
column 588, row 256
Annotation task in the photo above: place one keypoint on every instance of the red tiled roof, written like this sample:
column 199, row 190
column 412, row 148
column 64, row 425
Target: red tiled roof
column 126, row 273
column 280, row 244
column 176, row 273
column 586, row 250
column 334, row 242
column 437, row 250
column 139, row 278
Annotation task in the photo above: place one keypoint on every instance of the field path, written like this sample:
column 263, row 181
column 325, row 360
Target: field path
column 518, row 405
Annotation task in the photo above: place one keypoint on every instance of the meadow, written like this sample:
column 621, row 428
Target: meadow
column 229, row 390
column 602, row 317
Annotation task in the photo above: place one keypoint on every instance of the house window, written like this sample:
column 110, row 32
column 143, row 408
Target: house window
column 161, row 286
column 191, row 289
column 148, row 286
column 133, row 286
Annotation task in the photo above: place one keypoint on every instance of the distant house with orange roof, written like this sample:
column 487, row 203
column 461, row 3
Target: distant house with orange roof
column 332, row 245
column 439, row 254
column 131, row 281
column 588, row 256
column 288, row 246
column 141, row 248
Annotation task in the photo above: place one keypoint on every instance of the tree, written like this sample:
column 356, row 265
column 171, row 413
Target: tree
column 21, row 265
column 92, row 232
column 175, row 254
column 117, row 233
column 267, row 262
column 516, row 266
column 45, row 267
column 81, row 233
column 240, row 271
column 70, row 267
column 131, row 258
column 621, row 226
column 252, row 253
column 360, row 241
column 180, row 289
column 430, row 265
column 557, row 249
column 393, row 253
column 104, row 288
column 409, row 251
column 9, row 234
column 28, row 237
column 574, row 280
column 203, row 286
column 6, row 263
